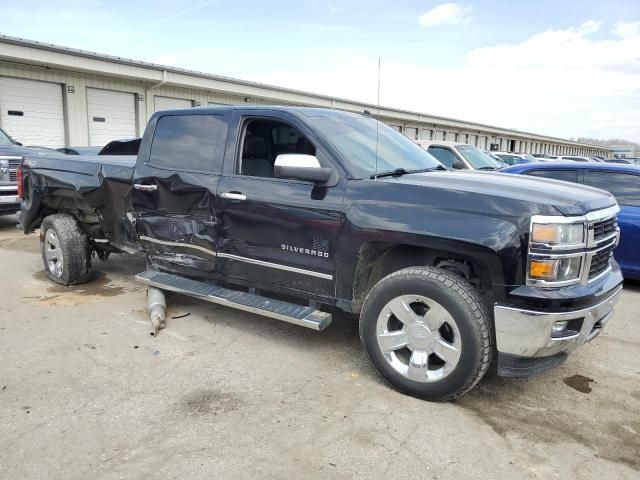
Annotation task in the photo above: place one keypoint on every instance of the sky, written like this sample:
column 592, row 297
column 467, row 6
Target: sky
column 562, row 68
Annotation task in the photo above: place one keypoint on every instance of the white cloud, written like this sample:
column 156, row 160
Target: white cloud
column 445, row 14
column 627, row 29
column 567, row 49
column 567, row 82
column 558, row 82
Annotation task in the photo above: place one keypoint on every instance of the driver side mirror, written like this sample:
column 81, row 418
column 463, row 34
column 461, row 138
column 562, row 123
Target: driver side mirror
column 301, row 167
column 458, row 164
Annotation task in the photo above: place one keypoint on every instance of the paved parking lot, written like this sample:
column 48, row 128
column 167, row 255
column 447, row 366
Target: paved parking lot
column 85, row 392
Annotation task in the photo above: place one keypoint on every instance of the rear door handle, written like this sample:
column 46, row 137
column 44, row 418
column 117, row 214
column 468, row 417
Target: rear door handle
column 145, row 188
column 237, row 196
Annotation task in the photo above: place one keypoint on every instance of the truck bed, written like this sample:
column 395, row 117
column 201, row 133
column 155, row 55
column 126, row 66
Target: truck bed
column 96, row 186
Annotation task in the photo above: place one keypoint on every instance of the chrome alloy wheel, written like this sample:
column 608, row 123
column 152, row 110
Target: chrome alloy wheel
column 53, row 254
column 419, row 338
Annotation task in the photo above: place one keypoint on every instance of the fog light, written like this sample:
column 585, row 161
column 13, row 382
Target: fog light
column 559, row 327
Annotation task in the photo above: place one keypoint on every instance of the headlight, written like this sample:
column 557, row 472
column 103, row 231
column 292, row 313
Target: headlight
column 556, row 250
column 558, row 234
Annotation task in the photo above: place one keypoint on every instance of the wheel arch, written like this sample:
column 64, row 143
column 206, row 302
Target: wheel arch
column 376, row 260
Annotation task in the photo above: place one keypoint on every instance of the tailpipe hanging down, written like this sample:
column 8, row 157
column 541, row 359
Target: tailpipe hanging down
column 157, row 309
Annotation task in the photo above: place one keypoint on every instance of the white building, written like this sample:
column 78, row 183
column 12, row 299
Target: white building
column 622, row 151
column 54, row 96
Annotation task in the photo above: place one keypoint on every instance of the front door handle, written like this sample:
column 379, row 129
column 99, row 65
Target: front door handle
column 145, row 188
column 237, row 196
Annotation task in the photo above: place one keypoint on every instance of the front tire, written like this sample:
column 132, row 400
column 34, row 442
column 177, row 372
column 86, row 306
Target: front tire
column 427, row 332
column 66, row 251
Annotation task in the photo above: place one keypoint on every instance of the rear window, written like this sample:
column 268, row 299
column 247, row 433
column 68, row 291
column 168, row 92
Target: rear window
column 624, row 186
column 566, row 175
column 189, row 142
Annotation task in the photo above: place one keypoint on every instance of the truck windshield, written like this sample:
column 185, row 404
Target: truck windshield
column 355, row 137
column 4, row 139
column 478, row 160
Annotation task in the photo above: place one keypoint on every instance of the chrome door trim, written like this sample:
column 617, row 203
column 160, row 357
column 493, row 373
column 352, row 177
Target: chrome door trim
column 262, row 263
column 277, row 266
column 178, row 244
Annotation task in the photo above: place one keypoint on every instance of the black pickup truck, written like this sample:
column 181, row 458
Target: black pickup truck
column 294, row 212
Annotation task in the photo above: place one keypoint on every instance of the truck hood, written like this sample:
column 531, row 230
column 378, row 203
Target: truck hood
column 567, row 198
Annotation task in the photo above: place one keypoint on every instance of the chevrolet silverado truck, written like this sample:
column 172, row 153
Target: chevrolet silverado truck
column 295, row 213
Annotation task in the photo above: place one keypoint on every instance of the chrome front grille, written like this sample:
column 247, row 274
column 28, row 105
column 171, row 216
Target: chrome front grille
column 600, row 261
column 604, row 228
column 14, row 163
column 603, row 238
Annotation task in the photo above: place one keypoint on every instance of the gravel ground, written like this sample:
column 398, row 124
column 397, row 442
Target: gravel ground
column 85, row 392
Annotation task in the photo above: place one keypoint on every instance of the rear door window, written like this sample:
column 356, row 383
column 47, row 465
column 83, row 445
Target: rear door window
column 189, row 142
column 566, row 175
column 624, row 186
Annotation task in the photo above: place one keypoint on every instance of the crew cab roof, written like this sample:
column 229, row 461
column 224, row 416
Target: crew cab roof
column 305, row 111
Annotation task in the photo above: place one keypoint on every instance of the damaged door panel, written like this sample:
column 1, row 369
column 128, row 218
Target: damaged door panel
column 174, row 190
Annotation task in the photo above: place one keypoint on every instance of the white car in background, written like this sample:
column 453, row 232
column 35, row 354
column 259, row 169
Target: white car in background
column 574, row 158
column 460, row 156
column 517, row 158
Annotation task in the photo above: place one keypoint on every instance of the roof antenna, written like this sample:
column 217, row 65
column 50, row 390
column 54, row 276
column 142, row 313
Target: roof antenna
column 375, row 175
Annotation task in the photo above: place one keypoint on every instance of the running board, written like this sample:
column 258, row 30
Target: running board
column 249, row 302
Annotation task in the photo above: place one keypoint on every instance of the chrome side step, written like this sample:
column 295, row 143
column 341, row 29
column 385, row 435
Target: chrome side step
column 280, row 310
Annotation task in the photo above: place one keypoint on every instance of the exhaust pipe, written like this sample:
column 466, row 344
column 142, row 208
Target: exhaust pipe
column 157, row 309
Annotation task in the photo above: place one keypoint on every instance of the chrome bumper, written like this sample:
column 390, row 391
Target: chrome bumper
column 527, row 333
column 9, row 199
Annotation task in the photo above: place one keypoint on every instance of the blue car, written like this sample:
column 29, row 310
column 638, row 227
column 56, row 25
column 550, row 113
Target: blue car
column 623, row 181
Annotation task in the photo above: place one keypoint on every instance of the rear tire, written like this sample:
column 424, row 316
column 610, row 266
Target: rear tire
column 66, row 251
column 427, row 332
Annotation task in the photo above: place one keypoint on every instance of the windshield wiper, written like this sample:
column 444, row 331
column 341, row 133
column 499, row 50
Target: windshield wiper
column 403, row 171
column 487, row 168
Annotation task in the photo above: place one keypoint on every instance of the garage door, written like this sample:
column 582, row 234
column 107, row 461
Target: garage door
column 31, row 111
column 112, row 116
column 168, row 103
column 411, row 132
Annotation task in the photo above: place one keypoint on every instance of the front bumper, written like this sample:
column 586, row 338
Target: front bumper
column 9, row 200
column 528, row 333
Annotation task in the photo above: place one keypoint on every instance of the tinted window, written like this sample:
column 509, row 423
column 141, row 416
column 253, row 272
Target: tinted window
column 446, row 156
column 359, row 137
column 189, row 142
column 624, row 186
column 566, row 175
column 285, row 138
